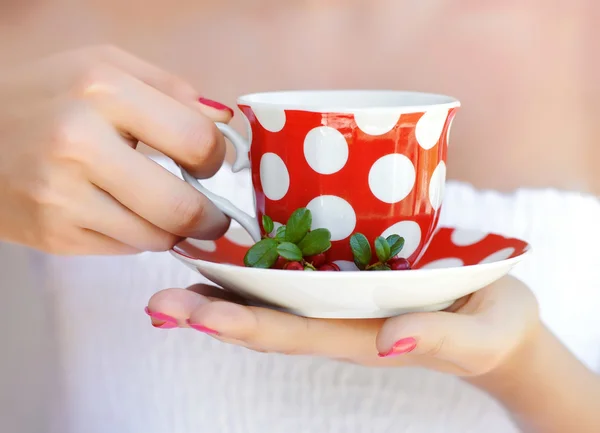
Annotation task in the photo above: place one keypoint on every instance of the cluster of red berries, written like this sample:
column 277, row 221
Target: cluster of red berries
column 399, row 264
column 317, row 262
column 296, row 247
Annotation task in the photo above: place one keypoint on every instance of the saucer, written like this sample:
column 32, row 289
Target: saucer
column 456, row 263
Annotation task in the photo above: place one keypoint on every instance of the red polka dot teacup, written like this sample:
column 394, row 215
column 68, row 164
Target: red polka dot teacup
column 370, row 162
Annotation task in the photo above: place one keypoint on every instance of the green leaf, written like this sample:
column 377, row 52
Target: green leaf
column 396, row 244
column 382, row 249
column 267, row 223
column 298, row 225
column 280, row 233
column 361, row 250
column 262, row 254
column 289, row 251
column 315, row 242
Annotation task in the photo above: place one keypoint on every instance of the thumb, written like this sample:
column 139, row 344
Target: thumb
column 460, row 339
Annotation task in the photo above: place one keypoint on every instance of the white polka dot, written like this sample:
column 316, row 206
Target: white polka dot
column 325, row 150
column 449, row 262
column 271, row 118
column 430, row 126
column 464, row 238
column 392, row 178
column 410, row 231
column 333, row 213
column 248, row 129
column 437, row 185
column 376, row 123
column 208, row 246
column 239, row 236
column 274, row 176
column 498, row 256
column 346, row 265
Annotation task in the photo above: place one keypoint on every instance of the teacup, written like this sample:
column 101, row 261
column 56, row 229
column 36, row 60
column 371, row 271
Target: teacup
column 362, row 161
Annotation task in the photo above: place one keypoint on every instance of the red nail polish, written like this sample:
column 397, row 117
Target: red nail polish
column 202, row 328
column 164, row 325
column 401, row 347
column 160, row 320
column 216, row 105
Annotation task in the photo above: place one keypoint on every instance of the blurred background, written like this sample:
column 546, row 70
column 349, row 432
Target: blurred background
column 516, row 66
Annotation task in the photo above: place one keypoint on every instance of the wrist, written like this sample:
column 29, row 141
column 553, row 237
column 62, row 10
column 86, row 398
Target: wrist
column 545, row 387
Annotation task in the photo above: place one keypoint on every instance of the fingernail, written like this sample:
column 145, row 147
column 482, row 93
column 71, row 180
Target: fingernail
column 216, row 105
column 160, row 320
column 401, row 347
column 202, row 328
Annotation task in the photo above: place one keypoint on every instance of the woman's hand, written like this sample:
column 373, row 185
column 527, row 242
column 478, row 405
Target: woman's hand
column 71, row 181
column 493, row 338
column 473, row 337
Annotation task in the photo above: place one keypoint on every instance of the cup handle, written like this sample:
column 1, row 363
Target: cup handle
column 242, row 147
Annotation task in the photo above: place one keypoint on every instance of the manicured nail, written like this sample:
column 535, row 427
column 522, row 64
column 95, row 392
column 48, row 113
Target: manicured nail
column 216, row 105
column 160, row 320
column 401, row 347
column 202, row 328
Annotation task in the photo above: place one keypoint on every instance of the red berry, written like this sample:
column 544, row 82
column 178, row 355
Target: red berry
column 294, row 266
column 329, row 267
column 280, row 263
column 317, row 260
column 399, row 264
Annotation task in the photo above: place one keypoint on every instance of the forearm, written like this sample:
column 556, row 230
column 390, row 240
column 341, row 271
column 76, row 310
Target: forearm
column 546, row 389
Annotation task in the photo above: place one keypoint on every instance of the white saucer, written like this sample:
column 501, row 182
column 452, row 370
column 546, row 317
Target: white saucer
column 457, row 263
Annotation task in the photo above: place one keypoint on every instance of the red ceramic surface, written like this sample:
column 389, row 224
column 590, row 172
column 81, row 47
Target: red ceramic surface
column 449, row 248
column 372, row 173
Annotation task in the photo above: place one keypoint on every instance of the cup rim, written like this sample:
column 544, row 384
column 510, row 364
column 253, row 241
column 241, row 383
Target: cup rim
column 349, row 101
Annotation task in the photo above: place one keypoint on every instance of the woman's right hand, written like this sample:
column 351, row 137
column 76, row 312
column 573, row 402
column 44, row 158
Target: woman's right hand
column 71, row 180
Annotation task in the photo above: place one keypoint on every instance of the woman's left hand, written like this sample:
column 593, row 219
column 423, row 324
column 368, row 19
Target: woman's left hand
column 472, row 337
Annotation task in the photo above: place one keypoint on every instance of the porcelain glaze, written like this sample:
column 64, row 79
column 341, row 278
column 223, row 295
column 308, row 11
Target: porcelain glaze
column 372, row 162
column 457, row 263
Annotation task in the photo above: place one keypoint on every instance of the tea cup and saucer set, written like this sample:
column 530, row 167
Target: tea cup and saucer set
column 348, row 188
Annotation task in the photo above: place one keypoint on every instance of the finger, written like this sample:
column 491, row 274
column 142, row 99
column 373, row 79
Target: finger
column 469, row 339
column 146, row 188
column 78, row 70
column 164, row 81
column 175, row 306
column 216, row 293
column 447, row 336
column 93, row 243
column 274, row 331
column 158, row 120
column 106, row 215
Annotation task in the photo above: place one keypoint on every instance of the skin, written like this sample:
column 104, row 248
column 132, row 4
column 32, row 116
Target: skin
column 69, row 177
column 66, row 121
column 493, row 339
